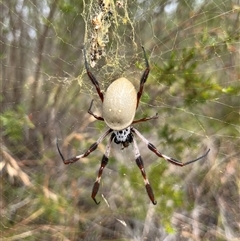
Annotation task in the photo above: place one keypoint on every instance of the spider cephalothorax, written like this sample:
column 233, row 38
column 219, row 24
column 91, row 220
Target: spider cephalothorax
column 125, row 137
column 118, row 111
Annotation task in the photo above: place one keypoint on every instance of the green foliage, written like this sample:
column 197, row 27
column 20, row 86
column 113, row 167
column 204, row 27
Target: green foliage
column 66, row 7
column 181, row 73
column 14, row 122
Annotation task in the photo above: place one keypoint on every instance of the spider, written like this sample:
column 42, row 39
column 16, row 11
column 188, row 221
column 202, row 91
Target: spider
column 119, row 105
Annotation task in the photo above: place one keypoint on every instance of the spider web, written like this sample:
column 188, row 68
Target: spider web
column 193, row 49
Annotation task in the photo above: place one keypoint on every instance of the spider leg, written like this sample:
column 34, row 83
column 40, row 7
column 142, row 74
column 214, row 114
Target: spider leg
column 92, row 77
column 92, row 148
column 143, row 78
column 167, row 158
column 91, row 113
column 140, row 164
column 104, row 162
column 145, row 119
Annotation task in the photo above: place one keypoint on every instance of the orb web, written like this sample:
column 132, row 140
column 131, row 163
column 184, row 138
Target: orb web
column 193, row 50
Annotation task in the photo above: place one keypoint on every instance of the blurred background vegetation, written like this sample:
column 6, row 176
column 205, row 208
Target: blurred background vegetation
column 194, row 85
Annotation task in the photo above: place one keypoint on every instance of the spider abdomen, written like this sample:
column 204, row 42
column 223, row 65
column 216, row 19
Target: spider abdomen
column 119, row 105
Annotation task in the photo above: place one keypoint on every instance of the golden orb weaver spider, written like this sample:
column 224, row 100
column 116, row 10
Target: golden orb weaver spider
column 119, row 105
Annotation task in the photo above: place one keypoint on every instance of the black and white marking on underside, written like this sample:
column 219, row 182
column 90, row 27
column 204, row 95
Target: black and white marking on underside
column 123, row 135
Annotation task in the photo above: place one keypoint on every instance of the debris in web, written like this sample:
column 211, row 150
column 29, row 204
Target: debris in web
column 101, row 23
